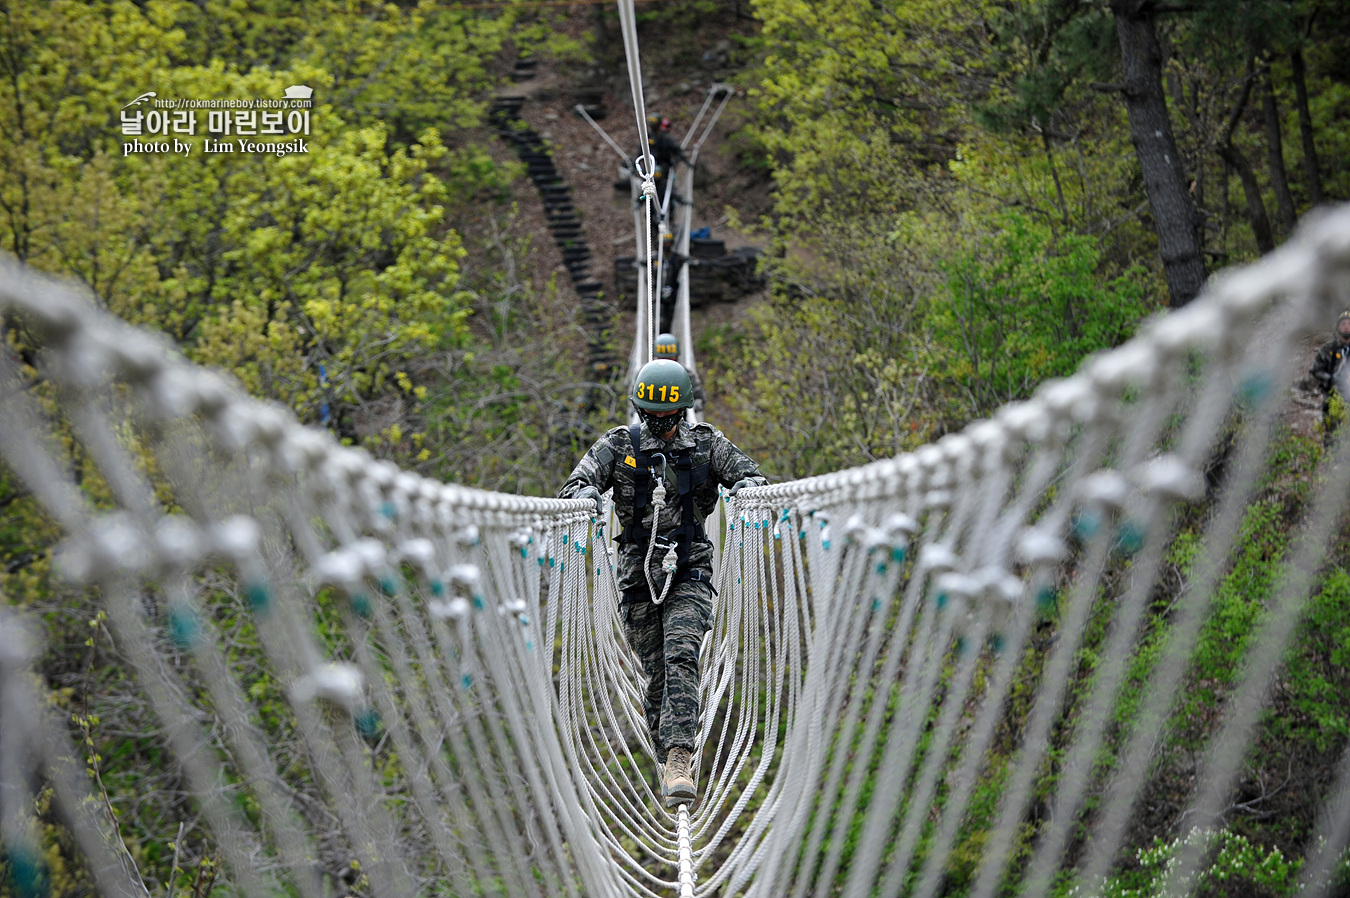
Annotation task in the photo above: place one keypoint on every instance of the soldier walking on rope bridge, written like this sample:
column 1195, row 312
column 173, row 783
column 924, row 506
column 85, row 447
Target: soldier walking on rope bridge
column 1329, row 371
column 665, row 473
column 667, row 347
column 665, row 152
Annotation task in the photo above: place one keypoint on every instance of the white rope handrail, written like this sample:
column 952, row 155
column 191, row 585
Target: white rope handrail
column 867, row 620
column 628, row 27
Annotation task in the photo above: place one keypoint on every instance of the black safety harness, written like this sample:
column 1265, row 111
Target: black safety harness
column 687, row 477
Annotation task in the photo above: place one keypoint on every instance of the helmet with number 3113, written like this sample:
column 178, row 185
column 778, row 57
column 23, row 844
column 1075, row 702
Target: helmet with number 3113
column 663, row 385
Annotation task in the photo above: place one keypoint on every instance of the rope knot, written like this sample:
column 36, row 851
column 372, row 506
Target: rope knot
column 670, row 562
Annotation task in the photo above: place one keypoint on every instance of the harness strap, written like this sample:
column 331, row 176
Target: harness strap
column 688, row 476
column 684, row 478
column 642, row 485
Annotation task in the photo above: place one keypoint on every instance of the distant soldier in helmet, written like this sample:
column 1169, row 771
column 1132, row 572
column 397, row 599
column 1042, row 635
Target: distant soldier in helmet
column 667, row 347
column 665, row 473
column 1329, row 368
column 666, row 149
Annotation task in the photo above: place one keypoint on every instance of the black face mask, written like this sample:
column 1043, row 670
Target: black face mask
column 657, row 426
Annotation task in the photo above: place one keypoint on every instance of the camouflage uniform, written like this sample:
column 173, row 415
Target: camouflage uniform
column 1328, row 369
column 666, row 637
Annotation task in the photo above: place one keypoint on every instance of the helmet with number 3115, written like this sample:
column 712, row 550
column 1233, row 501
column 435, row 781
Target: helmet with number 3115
column 667, row 347
column 663, row 385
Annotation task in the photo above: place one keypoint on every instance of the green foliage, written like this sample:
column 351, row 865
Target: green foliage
column 1318, row 665
column 1238, row 867
column 981, row 815
column 914, row 331
column 406, row 66
column 956, row 203
column 1237, row 608
column 317, row 278
column 1330, row 110
column 1337, row 413
column 844, row 352
column 940, row 121
column 65, row 68
column 1319, row 668
column 939, row 254
column 1306, row 727
column 677, row 15
column 848, row 126
column 347, row 256
column 1020, row 307
column 25, row 533
column 1049, row 45
column 409, row 67
column 505, row 409
column 338, row 261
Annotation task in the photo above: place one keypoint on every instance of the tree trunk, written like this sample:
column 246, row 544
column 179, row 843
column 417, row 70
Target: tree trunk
column 1256, row 206
column 1234, row 158
column 1174, row 215
column 1311, row 170
column 1054, row 173
column 1284, row 200
column 1227, row 201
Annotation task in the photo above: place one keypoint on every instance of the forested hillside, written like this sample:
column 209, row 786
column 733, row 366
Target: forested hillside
column 961, row 200
column 969, row 172
column 975, row 174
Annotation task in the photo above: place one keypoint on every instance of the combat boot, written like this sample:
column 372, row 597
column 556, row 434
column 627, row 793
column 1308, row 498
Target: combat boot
column 678, row 787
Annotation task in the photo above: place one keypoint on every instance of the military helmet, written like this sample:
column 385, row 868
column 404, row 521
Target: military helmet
column 667, row 347
column 662, row 385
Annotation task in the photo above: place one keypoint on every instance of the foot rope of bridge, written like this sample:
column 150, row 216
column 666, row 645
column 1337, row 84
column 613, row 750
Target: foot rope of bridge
column 356, row 675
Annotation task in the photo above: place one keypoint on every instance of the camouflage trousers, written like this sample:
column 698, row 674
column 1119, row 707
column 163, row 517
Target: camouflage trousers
column 667, row 638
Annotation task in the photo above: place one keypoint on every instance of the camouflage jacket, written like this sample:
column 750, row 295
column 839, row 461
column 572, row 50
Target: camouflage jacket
column 609, row 464
column 1327, row 366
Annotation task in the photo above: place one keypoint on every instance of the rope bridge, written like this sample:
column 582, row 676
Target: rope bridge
column 369, row 682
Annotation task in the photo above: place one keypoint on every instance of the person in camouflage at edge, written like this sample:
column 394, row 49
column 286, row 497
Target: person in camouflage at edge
column 1328, row 371
column 666, row 633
